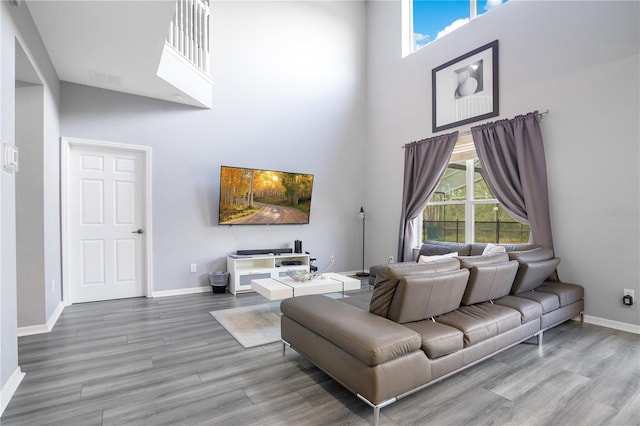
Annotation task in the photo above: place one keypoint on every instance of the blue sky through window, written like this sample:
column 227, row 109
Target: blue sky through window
column 434, row 18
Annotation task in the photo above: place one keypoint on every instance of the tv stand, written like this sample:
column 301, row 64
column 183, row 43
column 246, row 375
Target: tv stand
column 244, row 268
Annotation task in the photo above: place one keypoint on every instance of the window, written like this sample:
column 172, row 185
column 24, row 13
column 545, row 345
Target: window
column 462, row 209
column 433, row 19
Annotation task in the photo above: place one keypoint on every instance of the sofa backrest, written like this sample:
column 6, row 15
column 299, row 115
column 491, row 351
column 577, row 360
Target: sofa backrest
column 491, row 276
column 478, row 248
column 536, row 254
column 418, row 297
column 489, row 282
column 432, row 248
column 389, row 276
column 535, row 266
column 479, row 260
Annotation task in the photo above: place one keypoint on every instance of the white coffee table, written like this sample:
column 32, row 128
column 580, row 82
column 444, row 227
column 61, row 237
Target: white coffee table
column 285, row 287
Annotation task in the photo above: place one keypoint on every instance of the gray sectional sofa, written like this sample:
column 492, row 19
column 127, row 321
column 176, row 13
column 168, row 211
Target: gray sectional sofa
column 432, row 248
column 427, row 321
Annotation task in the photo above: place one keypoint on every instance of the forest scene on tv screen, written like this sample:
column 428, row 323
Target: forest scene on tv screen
column 263, row 197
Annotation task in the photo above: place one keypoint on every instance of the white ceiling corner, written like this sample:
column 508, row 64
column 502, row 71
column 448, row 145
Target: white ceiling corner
column 111, row 44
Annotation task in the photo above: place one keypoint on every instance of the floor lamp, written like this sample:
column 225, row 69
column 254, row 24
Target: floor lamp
column 363, row 216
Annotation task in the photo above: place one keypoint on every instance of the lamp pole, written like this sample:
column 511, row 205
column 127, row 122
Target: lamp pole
column 362, row 216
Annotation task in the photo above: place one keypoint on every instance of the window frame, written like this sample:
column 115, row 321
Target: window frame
column 469, row 203
column 463, row 152
column 409, row 44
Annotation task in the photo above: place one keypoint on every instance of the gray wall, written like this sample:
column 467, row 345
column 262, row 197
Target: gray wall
column 577, row 59
column 30, row 206
column 289, row 95
column 16, row 25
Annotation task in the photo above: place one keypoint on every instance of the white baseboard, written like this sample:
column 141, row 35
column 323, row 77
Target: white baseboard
column 32, row 329
column 617, row 325
column 42, row 328
column 54, row 317
column 10, row 388
column 182, row 291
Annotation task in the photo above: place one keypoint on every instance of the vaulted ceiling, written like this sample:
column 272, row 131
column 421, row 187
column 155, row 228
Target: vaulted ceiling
column 115, row 45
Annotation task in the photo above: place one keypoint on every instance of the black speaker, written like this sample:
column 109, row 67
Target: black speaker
column 298, row 246
column 264, row 251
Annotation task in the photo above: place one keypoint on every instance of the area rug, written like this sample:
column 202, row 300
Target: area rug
column 251, row 325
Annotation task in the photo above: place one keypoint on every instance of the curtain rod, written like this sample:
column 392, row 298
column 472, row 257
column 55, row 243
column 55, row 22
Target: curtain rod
column 468, row 132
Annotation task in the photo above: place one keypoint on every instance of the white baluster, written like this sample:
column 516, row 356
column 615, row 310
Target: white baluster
column 192, row 27
column 198, row 29
column 206, row 38
column 189, row 31
column 174, row 25
column 183, row 26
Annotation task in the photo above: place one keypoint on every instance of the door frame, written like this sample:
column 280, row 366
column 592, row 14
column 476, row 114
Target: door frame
column 66, row 145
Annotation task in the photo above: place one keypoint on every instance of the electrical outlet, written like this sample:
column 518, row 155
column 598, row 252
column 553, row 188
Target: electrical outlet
column 194, row 267
column 390, row 259
column 331, row 259
column 627, row 292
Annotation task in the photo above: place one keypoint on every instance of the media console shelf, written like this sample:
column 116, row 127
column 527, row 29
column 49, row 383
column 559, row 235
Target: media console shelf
column 244, row 268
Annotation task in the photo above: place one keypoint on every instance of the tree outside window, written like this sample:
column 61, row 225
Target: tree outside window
column 463, row 209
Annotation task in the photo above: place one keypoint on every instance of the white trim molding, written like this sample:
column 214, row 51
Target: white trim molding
column 616, row 325
column 10, row 388
column 42, row 328
column 31, row 330
column 182, row 291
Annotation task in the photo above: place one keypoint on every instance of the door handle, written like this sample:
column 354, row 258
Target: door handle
column 139, row 231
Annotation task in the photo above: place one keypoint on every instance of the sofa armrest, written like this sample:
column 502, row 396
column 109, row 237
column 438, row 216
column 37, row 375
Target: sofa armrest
column 367, row 337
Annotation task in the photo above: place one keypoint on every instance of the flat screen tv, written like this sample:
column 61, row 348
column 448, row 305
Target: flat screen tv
column 263, row 197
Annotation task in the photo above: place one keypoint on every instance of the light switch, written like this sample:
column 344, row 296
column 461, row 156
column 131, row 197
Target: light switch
column 10, row 158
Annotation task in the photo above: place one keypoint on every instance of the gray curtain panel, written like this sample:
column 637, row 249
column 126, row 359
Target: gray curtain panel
column 511, row 153
column 425, row 162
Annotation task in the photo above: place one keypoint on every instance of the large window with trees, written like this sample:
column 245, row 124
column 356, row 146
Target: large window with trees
column 462, row 209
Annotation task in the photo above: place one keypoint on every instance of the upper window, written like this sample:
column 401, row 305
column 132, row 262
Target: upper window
column 433, row 19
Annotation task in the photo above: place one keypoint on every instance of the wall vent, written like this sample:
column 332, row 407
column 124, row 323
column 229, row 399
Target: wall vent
column 104, row 79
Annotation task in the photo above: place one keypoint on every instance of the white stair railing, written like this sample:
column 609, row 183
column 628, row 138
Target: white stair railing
column 189, row 32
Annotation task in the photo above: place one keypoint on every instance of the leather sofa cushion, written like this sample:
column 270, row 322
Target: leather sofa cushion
column 567, row 293
column 424, row 296
column 437, row 339
column 478, row 248
column 403, row 269
column 431, row 248
column 529, row 309
column 489, row 282
column 482, row 321
column 534, row 255
column 369, row 338
column 480, row 260
column 389, row 276
column 375, row 269
column 531, row 275
column 548, row 301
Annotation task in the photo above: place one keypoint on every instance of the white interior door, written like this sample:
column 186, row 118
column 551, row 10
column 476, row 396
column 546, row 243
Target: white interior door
column 106, row 223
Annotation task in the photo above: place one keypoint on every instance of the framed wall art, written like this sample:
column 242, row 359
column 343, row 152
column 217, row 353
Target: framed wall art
column 465, row 89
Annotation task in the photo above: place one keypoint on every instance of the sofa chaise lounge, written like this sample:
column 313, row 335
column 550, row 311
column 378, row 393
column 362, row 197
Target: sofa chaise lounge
column 428, row 321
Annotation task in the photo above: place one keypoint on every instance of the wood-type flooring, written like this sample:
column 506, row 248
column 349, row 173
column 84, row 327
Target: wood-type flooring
column 166, row 361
